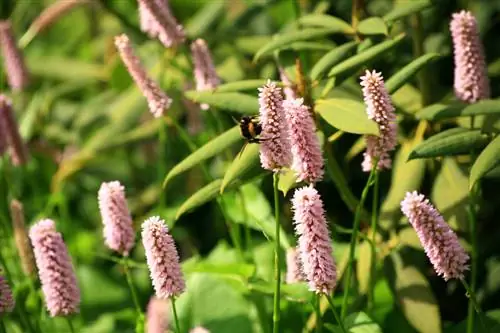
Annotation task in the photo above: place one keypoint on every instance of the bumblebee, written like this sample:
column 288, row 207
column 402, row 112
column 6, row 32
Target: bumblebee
column 250, row 129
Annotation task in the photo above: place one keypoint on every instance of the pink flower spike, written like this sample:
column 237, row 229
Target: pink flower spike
column 438, row 240
column 315, row 246
column 294, row 272
column 199, row 329
column 157, row 316
column 162, row 259
column 204, row 70
column 17, row 73
column 306, row 149
column 118, row 230
column 55, row 270
column 9, row 130
column 379, row 108
column 471, row 77
column 275, row 150
column 7, row 302
column 157, row 21
column 158, row 101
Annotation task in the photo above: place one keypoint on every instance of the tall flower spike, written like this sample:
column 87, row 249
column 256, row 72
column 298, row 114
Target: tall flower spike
column 7, row 302
column 471, row 78
column 158, row 101
column 293, row 266
column 118, row 230
column 157, row 316
column 21, row 238
column 438, row 240
column 157, row 21
column 162, row 259
column 275, row 150
column 57, row 276
column 306, row 150
column 204, row 70
column 314, row 240
column 9, row 130
column 379, row 108
column 17, row 73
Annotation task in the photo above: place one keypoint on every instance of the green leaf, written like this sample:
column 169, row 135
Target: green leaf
column 326, row 21
column 360, row 322
column 486, row 161
column 60, row 68
column 210, row 149
column 142, row 132
column 245, row 161
column 232, row 101
column 285, row 39
column 361, row 59
column 373, row 26
column 200, row 197
column 437, row 112
column 405, row 8
column 239, row 270
column 455, row 141
column 440, row 111
column 240, row 86
column 346, row 115
column 287, row 181
column 331, row 59
column 200, row 22
column 406, row 73
column 363, row 266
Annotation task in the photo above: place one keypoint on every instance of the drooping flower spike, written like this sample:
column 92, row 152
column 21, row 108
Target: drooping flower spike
column 471, row 78
column 17, row 72
column 293, row 266
column 380, row 109
column 204, row 70
column 157, row 21
column 21, row 238
column 438, row 240
column 9, row 131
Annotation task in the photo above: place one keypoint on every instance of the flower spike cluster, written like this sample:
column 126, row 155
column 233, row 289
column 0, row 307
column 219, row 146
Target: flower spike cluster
column 21, row 238
column 380, row 109
column 9, row 133
column 118, row 230
column 314, row 240
column 162, row 259
column 293, row 266
column 204, row 70
column 275, row 150
column 306, row 150
column 59, row 284
column 17, row 73
column 157, row 21
column 438, row 240
column 157, row 316
column 7, row 302
column 158, row 101
column 471, row 79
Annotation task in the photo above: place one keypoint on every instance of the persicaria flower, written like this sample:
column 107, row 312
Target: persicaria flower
column 199, row 329
column 275, row 150
column 315, row 246
column 204, row 70
column 7, row 302
column 158, row 101
column 306, row 150
column 58, row 279
column 157, row 21
column 379, row 108
column 21, row 238
column 157, row 316
column 10, row 133
column 294, row 272
column 17, row 73
column 471, row 78
column 438, row 240
column 118, row 230
column 162, row 259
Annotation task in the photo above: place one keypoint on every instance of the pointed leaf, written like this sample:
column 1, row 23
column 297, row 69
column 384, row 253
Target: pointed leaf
column 202, row 196
column 232, row 101
column 451, row 142
column 484, row 107
column 363, row 266
column 326, row 21
column 287, row 181
column 360, row 322
column 347, row 115
column 486, row 161
column 285, row 39
column 437, row 112
column 406, row 73
column 405, row 8
column 331, row 59
column 367, row 55
column 373, row 26
column 245, row 161
column 201, row 21
column 210, row 149
column 240, row 86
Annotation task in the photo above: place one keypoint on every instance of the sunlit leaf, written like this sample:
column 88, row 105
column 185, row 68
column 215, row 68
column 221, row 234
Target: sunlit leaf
column 360, row 322
column 326, row 21
column 201, row 21
column 66, row 68
column 240, row 86
column 486, row 161
column 200, row 197
column 331, row 59
column 444, row 111
column 245, row 161
column 232, row 101
column 373, row 26
column 287, row 181
column 405, row 8
column 439, row 111
column 363, row 266
column 402, row 76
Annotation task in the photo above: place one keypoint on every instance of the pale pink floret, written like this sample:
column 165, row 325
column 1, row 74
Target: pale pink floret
column 471, row 78
column 17, row 73
column 275, row 150
column 294, row 272
column 157, row 21
column 162, row 259
column 7, row 302
column 157, row 316
column 306, row 150
column 204, row 70
column 315, row 246
column 380, row 109
column 118, row 230
column 57, row 276
column 199, row 329
column 158, row 101
column 438, row 240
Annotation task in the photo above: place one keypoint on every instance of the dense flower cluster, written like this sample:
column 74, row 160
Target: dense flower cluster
column 17, row 73
column 157, row 21
column 9, row 134
column 7, row 302
column 157, row 315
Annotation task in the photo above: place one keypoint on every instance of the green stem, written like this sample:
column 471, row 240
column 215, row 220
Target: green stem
column 354, row 238
column 3, row 329
column 70, row 325
column 473, row 300
column 335, row 314
column 176, row 318
column 162, row 138
column 131, row 286
column 423, row 78
column 356, row 14
column 373, row 264
column 473, row 269
column 319, row 322
column 277, row 259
